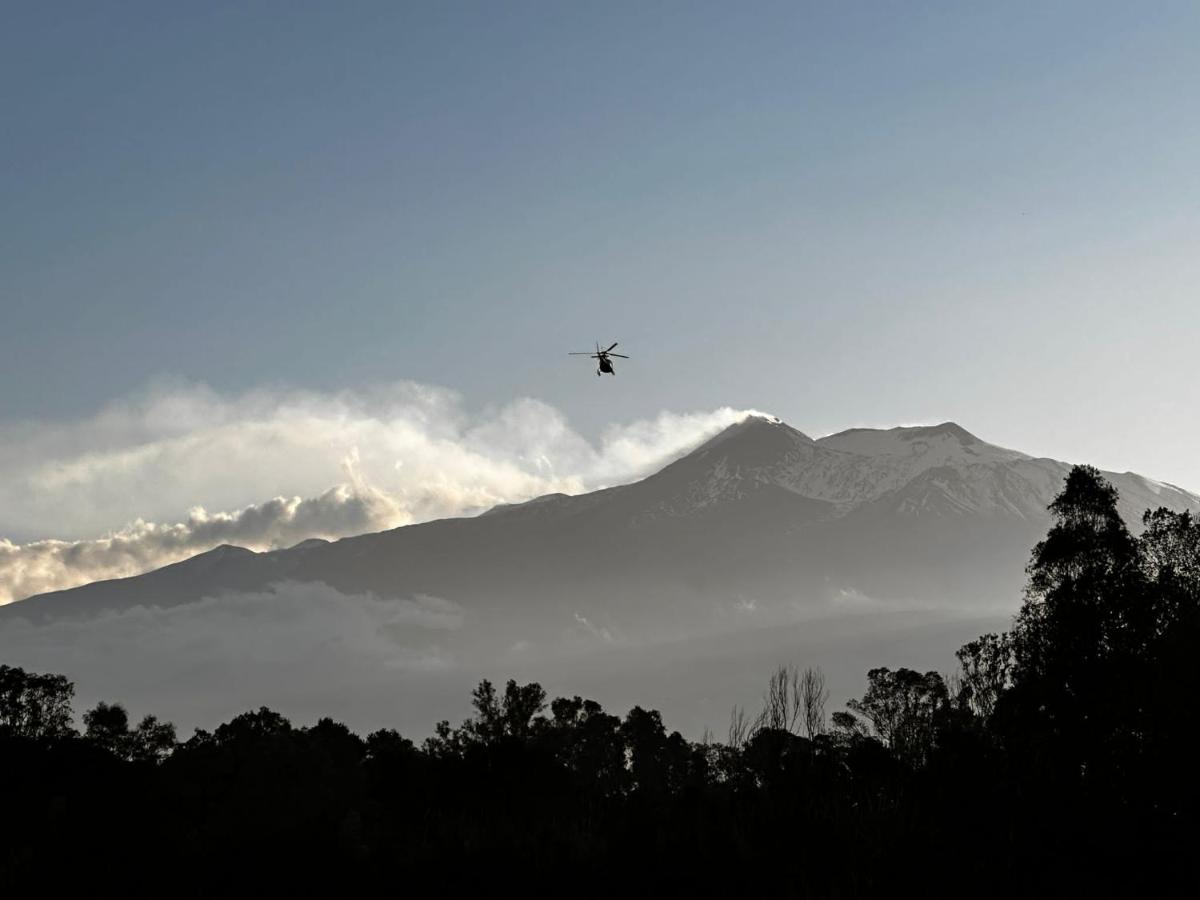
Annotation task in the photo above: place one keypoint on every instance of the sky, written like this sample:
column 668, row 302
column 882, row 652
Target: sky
column 223, row 223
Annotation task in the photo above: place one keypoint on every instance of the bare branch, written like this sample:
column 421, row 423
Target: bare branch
column 739, row 727
column 813, row 696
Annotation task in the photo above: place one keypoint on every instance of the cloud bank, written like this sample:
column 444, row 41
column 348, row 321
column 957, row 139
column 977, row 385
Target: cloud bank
column 300, row 646
column 308, row 650
column 47, row 565
column 335, row 464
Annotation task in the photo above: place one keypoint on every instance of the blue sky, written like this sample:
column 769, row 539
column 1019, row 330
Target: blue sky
column 843, row 213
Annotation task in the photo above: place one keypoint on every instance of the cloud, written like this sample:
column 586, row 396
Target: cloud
column 279, row 624
column 40, row 566
column 297, row 645
column 601, row 634
column 335, row 464
column 308, row 650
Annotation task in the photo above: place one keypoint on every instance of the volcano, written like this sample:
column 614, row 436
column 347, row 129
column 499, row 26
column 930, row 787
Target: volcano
column 759, row 524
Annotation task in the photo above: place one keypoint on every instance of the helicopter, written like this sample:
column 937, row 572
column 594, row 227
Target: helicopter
column 602, row 357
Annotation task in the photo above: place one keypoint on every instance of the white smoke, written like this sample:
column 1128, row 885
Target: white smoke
column 336, row 465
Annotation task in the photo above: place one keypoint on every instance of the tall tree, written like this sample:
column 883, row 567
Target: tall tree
column 813, row 697
column 35, row 706
column 107, row 725
column 986, row 666
column 902, row 706
column 1104, row 647
column 1082, row 582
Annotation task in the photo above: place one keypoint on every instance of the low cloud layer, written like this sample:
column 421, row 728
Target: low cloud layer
column 308, row 650
column 294, row 646
column 395, row 455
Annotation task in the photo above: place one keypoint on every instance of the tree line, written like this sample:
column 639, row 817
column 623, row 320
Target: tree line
column 1058, row 758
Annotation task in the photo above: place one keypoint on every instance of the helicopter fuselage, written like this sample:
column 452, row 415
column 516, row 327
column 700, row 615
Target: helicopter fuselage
column 604, row 365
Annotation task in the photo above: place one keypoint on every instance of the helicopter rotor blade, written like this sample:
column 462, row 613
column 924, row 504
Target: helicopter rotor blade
column 599, row 354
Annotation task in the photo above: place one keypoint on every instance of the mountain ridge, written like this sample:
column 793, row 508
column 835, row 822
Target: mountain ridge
column 757, row 496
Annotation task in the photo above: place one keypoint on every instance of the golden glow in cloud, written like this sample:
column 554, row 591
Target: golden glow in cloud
column 110, row 488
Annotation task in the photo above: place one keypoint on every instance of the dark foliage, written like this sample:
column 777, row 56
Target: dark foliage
column 1058, row 760
column 34, row 706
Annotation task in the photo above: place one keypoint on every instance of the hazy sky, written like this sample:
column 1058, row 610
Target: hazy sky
column 841, row 213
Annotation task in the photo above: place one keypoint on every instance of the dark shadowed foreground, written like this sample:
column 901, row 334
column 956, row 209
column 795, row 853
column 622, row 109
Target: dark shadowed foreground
column 1059, row 760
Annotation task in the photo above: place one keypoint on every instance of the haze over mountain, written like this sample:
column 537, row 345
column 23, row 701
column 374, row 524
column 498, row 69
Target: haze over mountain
column 758, row 542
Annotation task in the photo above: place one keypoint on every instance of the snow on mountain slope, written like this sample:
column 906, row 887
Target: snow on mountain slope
column 928, row 470
column 924, row 446
column 760, row 510
column 760, row 545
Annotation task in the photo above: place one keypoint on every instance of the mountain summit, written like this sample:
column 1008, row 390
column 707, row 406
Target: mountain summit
column 922, row 470
column 759, row 516
column 761, row 545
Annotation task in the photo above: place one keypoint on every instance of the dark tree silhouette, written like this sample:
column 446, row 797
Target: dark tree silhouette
column 152, row 740
column 813, row 695
column 986, row 672
column 1084, row 590
column 108, row 726
column 902, row 707
column 587, row 740
column 1069, row 741
column 35, row 706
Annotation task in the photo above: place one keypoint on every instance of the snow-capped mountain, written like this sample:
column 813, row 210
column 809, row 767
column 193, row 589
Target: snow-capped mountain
column 928, row 514
column 931, row 470
column 850, row 548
